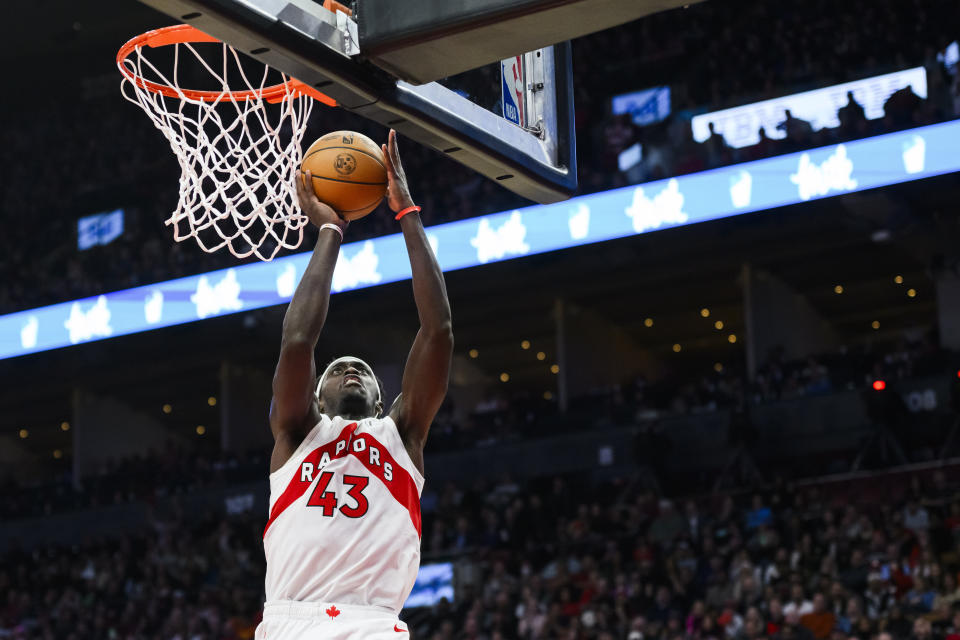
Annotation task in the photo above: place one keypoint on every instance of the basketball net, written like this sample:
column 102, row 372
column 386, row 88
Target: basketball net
column 239, row 150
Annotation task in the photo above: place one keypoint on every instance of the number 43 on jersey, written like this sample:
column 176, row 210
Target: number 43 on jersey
column 327, row 500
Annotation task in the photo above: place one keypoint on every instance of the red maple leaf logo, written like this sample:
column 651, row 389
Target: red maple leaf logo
column 333, row 612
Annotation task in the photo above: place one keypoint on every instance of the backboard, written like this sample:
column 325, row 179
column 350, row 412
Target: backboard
column 533, row 155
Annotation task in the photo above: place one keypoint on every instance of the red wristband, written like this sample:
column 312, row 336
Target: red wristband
column 404, row 212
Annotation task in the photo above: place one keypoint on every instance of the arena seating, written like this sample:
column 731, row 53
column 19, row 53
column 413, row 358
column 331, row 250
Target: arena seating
column 553, row 558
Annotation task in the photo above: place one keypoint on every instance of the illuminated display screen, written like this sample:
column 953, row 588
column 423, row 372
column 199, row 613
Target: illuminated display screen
column 102, row 228
column 434, row 582
column 708, row 195
column 645, row 107
column 740, row 126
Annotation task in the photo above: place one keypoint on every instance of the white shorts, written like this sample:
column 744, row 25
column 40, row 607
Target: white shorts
column 292, row 620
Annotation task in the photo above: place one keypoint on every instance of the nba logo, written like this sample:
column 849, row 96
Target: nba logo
column 511, row 71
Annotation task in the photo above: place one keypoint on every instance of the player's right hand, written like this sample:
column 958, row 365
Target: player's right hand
column 311, row 206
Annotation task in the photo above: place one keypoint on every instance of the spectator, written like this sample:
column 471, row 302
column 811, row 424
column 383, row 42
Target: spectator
column 797, row 604
column 667, row 526
column 916, row 518
column 759, row 515
column 820, row 621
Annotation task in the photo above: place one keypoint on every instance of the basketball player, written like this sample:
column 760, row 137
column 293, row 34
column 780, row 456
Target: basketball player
column 343, row 539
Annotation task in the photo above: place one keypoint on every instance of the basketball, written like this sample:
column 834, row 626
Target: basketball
column 349, row 172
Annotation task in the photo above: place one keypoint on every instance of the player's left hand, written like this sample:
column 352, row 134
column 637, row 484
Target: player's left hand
column 398, row 193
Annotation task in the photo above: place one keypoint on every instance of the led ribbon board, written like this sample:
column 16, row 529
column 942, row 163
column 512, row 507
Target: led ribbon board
column 708, row 195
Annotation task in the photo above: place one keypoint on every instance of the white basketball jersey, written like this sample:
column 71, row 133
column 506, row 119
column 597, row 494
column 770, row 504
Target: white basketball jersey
column 345, row 517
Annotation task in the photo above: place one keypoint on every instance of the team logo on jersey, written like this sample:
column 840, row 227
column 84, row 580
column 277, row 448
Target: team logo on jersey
column 345, row 164
column 333, row 612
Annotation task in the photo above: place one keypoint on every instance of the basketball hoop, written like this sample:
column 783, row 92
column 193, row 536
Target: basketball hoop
column 239, row 150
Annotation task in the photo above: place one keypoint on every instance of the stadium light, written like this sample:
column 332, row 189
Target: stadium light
column 879, row 385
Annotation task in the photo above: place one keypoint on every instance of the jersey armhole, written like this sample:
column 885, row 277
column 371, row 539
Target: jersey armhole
column 304, row 444
column 407, row 460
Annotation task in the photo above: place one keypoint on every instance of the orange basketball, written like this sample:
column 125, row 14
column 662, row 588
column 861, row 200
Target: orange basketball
column 349, row 172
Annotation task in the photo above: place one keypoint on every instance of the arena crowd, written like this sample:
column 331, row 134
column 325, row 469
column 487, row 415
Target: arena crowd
column 552, row 558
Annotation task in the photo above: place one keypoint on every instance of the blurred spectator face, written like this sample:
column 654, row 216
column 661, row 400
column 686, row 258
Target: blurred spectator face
column 819, row 603
column 836, row 591
column 853, row 608
column 663, row 596
column 796, row 593
column 776, row 609
column 922, row 628
column 949, row 583
column 856, row 558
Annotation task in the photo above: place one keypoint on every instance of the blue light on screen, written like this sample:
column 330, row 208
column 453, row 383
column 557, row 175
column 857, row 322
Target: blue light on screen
column 645, row 107
column 102, row 228
column 434, row 582
column 708, row 195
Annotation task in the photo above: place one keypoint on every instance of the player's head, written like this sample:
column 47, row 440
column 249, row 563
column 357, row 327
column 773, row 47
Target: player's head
column 349, row 387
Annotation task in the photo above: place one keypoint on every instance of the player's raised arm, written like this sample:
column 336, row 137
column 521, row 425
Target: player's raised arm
column 293, row 393
column 427, row 370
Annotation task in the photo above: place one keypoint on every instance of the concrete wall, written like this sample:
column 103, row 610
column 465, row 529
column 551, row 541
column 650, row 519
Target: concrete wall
column 777, row 315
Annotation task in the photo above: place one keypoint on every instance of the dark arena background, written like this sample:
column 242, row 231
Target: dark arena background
column 712, row 396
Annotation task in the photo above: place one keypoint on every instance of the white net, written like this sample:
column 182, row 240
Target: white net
column 239, row 152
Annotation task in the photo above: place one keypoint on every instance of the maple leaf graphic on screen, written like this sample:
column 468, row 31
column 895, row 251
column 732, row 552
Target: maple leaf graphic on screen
column 333, row 612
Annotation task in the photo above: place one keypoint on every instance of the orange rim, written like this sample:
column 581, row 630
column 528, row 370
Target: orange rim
column 185, row 33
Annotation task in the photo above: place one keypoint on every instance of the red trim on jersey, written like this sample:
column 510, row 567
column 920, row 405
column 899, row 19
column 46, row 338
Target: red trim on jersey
column 298, row 487
column 402, row 487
